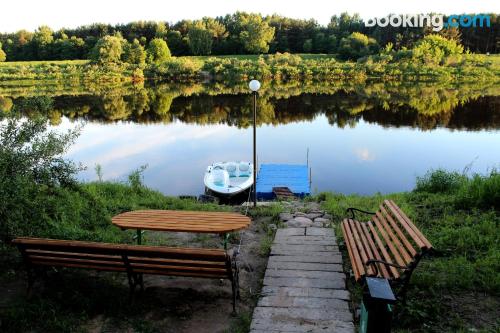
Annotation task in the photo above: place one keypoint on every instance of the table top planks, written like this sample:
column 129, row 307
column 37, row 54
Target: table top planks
column 182, row 221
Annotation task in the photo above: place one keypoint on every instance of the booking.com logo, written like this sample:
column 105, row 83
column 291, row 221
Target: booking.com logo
column 436, row 21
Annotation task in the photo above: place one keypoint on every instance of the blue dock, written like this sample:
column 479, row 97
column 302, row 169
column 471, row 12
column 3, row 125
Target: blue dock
column 293, row 176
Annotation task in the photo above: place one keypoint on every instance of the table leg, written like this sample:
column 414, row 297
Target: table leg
column 225, row 240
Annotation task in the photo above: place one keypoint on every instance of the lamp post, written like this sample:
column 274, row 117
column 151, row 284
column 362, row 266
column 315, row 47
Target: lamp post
column 254, row 86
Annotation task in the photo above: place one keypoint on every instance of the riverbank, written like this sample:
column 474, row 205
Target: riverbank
column 273, row 68
column 455, row 290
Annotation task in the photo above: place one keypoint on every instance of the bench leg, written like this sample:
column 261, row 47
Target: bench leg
column 131, row 284
column 31, row 282
column 233, row 286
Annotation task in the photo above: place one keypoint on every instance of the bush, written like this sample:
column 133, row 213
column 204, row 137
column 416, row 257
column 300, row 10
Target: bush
column 476, row 192
column 108, row 50
column 480, row 192
column 31, row 172
column 440, row 181
column 435, row 49
column 357, row 45
column 3, row 56
column 158, row 51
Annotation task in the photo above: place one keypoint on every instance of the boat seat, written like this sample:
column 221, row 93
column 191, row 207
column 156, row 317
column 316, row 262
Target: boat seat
column 220, row 178
column 244, row 169
column 231, row 169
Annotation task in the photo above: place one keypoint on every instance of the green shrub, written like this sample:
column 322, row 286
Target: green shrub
column 31, row 171
column 440, row 181
column 480, row 192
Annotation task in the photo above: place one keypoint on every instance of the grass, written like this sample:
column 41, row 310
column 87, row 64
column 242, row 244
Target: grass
column 460, row 216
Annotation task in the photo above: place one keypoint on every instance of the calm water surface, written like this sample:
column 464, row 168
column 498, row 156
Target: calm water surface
column 368, row 139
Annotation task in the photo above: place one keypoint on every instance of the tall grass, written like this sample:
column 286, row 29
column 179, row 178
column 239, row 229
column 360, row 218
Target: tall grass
column 477, row 191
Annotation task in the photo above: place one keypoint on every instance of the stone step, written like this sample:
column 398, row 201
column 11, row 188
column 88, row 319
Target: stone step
column 306, row 266
column 311, row 231
column 330, row 304
column 305, row 292
column 321, row 257
column 305, row 240
column 297, row 315
column 303, row 249
column 291, row 232
column 337, row 283
column 325, row 326
column 304, row 274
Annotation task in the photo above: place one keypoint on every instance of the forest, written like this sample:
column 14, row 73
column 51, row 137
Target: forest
column 239, row 33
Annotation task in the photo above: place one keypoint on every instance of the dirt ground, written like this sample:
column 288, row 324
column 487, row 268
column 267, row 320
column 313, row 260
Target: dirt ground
column 168, row 304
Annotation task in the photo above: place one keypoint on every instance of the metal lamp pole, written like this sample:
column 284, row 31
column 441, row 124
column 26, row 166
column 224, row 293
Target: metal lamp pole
column 254, row 87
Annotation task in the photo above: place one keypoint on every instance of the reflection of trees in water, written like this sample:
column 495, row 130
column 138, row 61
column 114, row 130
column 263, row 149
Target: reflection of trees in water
column 423, row 106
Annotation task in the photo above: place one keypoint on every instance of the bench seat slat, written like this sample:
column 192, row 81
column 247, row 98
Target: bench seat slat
column 418, row 236
column 382, row 249
column 404, row 255
column 400, row 233
column 381, row 267
column 119, row 249
column 363, row 245
column 107, row 268
column 357, row 266
column 388, row 242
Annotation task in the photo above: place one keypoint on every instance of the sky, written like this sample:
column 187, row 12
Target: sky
column 30, row 14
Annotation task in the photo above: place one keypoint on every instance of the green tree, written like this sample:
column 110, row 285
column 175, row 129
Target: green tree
column 158, row 51
column 42, row 40
column 357, row 45
column 3, row 56
column 434, row 49
column 331, row 44
column 134, row 53
column 107, row 50
column 200, row 40
column 68, row 48
column 308, row 44
column 256, row 34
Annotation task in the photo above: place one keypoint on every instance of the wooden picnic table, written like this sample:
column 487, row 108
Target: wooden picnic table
column 182, row 221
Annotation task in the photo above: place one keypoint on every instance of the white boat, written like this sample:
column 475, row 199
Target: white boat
column 229, row 178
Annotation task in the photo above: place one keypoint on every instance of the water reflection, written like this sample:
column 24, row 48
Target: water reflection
column 424, row 106
column 362, row 139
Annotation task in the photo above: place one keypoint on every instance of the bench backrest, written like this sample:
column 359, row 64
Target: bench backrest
column 211, row 263
column 389, row 236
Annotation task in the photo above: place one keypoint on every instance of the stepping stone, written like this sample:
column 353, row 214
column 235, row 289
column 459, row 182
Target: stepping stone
column 291, row 232
column 319, row 232
column 312, row 216
column 305, row 266
column 327, row 258
column 337, row 283
column 330, row 304
column 285, row 216
column 323, row 326
column 304, row 274
column 297, row 315
column 299, row 221
column 305, row 292
column 321, row 220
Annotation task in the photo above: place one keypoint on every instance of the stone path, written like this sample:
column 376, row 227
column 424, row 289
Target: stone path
column 304, row 287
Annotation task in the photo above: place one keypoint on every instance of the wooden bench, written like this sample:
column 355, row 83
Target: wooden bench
column 135, row 260
column 389, row 245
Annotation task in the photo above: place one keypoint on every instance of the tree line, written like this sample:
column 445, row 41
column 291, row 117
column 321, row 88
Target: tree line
column 238, row 33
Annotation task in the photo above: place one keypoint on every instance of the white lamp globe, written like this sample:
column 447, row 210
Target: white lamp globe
column 254, row 85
